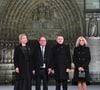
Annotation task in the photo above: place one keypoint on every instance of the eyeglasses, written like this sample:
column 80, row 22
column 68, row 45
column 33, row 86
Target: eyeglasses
column 42, row 40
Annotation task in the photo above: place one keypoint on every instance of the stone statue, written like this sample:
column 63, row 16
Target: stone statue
column 93, row 30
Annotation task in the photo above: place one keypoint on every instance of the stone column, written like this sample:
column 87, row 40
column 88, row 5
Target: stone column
column 94, row 44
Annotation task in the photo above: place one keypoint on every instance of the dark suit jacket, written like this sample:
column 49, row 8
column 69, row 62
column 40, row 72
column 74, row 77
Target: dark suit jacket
column 21, row 62
column 38, row 57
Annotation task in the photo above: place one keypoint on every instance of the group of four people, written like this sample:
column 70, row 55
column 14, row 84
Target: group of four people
column 42, row 61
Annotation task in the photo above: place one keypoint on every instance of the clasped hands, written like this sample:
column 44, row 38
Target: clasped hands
column 81, row 69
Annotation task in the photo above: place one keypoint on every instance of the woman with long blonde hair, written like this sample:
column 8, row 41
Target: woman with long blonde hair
column 81, row 59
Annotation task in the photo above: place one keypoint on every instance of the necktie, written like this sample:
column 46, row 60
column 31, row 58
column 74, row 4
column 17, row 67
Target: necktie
column 42, row 51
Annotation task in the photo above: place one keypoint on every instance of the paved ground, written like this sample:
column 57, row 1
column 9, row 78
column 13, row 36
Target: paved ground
column 70, row 87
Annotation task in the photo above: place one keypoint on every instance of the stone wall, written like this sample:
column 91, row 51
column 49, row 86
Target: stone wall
column 35, row 18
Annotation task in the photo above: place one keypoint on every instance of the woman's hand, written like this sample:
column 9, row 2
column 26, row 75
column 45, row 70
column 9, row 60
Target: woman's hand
column 81, row 69
column 17, row 70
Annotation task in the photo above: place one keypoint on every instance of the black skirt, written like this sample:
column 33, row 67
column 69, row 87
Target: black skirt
column 22, row 85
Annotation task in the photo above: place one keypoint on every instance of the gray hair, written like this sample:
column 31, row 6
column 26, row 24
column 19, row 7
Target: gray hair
column 78, row 41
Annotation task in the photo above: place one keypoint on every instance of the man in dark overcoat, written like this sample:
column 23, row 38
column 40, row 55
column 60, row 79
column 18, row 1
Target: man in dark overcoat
column 61, row 62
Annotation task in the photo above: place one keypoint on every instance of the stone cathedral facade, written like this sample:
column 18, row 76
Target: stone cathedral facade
column 36, row 18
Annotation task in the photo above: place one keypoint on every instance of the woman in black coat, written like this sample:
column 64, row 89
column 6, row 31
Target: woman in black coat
column 22, row 63
column 81, row 59
column 61, row 63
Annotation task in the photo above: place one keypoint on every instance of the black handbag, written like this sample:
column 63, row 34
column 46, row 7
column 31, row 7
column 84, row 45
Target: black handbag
column 81, row 74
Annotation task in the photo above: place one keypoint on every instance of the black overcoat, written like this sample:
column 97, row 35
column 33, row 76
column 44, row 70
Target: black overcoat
column 81, row 58
column 61, row 60
column 25, row 67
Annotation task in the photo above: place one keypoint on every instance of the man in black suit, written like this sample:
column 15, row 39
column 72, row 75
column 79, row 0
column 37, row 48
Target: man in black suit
column 42, row 63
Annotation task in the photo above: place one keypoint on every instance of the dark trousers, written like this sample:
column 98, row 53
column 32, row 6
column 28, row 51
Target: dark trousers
column 42, row 75
column 61, row 82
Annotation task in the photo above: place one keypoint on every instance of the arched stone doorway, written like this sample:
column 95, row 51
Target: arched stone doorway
column 36, row 18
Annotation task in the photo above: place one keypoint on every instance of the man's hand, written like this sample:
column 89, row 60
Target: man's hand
column 49, row 70
column 33, row 72
column 53, row 71
column 67, row 70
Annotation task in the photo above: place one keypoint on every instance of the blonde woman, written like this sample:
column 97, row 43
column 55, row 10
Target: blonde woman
column 81, row 59
column 22, row 63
